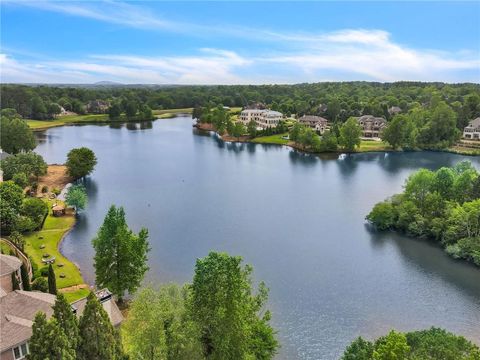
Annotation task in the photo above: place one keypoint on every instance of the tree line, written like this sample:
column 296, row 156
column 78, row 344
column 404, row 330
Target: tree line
column 334, row 100
column 442, row 205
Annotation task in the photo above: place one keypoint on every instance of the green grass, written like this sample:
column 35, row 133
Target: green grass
column 5, row 248
column 272, row 139
column 370, row 145
column 64, row 120
column 50, row 236
column 76, row 295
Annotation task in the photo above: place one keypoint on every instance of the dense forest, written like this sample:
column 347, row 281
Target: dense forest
column 333, row 100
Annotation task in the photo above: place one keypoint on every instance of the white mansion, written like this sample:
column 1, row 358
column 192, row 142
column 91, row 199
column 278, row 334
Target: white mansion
column 472, row 131
column 263, row 117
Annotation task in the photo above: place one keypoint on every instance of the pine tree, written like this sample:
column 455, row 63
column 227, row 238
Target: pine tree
column 120, row 255
column 97, row 339
column 15, row 284
column 25, row 278
column 52, row 282
column 48, row 341
column 62, row 312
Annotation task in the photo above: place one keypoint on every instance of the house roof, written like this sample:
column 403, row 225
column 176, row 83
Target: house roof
column 474, row 123
column 312, row 118
column 370, row 118
column 9, row 264
column 18, row 309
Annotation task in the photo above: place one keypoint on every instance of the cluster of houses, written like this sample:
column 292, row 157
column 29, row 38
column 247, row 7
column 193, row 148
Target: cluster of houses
column 19, row 307
column 372, row 126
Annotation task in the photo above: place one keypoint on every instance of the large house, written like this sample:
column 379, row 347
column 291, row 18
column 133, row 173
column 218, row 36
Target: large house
column 18, row 309
column 372, row 126
column 472, row 131
column 263, row 117
column 317, row 123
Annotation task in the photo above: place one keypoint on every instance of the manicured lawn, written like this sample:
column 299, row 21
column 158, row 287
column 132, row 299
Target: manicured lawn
column 272, row 139
column 169, row 113
column 68, row 119
column 50, row 236
column 76, row 295
column 370, row 145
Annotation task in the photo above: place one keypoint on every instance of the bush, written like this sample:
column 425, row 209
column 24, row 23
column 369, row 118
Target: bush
column 44, row 189
column 44, row 271
column 56, row 191
column 20, row 179
column 383, row 215
column 40, row 284
column 36, row 210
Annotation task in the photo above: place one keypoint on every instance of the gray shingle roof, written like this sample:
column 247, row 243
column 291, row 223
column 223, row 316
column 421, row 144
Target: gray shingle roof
column 9, row 264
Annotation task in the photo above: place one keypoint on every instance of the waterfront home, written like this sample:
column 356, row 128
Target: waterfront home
column 97, row 106
column 372, row 126
column 9, row 268
column 17, row 312
column 394, row 110
column 317, row 123
column 472, row 131
column 264, row 118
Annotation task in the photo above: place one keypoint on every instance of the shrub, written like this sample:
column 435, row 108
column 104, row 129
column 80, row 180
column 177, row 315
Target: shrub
column 40, row 284
column 383, row 215
column 44, row 271
column 56, row 191
column 44, row 189
column 36, row 210
column 20, row 179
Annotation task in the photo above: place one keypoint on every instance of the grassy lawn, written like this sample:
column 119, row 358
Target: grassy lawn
column 68, row 119
column 50, row 236
column 76, row 295
column 272, row 139
column 370, row 145
column 169, row 113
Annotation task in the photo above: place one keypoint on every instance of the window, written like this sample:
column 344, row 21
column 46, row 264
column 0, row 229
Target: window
column 20, row 352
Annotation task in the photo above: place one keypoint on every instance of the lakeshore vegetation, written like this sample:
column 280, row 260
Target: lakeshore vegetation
column 442, row 205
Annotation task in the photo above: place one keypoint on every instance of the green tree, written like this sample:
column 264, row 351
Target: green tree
column 40, row 284
column 252, row 128
column 333, row 109
column 97, row 340
column 120, row 255
column 29, row 163
column 66, row 319
column 238, row 129
column 17, row 239
column 383, row 216
column 52, row 281
column 25, row 278
column 48, row 341
column 131, row 109
column 11, row 197
column 350, row 133
column 15, row 135
column 391, row 347
column 36, row 210
column 77, row 197
column 158, row 327
column 80, row 162
column 114, row 111
column 227, row 313
column 20, row 179
column 396, row 131
column 329, row 142
column 359, row 349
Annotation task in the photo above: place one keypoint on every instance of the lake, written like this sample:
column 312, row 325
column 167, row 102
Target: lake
column 298, row 219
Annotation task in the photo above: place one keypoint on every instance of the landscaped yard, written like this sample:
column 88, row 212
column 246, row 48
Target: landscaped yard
column 272, row 139
column 49, row 238
column 371, row 145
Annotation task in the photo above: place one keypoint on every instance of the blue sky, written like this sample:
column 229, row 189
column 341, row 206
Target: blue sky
column 238, row 42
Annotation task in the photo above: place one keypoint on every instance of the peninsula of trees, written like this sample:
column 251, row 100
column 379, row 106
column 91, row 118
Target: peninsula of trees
column 442, row 205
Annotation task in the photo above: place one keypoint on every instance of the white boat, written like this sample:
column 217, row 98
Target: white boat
column 342, row 156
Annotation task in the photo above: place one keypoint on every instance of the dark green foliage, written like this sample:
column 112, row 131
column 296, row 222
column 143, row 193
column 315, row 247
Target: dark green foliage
column 11, row 197
column 120, row 255
column 432, row 344
column 40, row 284
column 350, row 133
column 20, row 179
column 305, row 137
column 36, row 210
column 48, row 341
column 329, row 142
column 17, row 239
column 15, row 283
column 15, row 135
column 97, row 340
column 440, row 205
column 52, row 282
column 80, row 162
column 25, row 278
column 114, row 111
column 66, row 319
column 227, row 312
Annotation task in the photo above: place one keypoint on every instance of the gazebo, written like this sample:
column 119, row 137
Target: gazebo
column 58, row 210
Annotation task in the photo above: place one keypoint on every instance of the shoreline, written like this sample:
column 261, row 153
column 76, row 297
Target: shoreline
column 292, row 145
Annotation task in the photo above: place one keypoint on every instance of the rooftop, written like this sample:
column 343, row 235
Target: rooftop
column 9, row 264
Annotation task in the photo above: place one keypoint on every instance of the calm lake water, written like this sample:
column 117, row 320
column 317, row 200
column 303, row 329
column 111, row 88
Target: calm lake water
column 298, row 219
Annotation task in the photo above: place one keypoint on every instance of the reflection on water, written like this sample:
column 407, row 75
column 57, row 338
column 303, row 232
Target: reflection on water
column 297, row 218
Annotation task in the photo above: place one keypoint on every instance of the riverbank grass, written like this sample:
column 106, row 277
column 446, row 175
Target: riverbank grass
column 67, row 119
column 47, row 241
column 271, row 139
column 371, row 145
